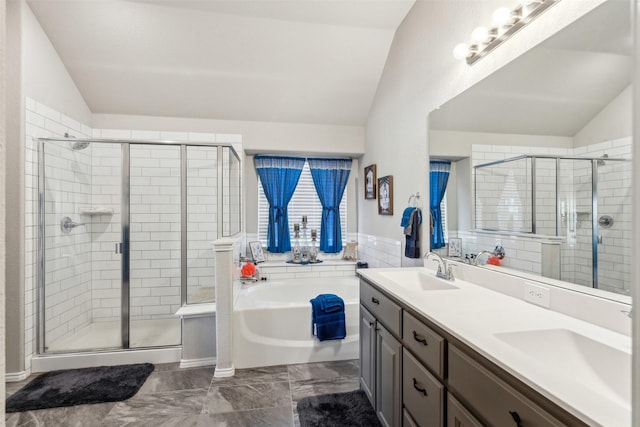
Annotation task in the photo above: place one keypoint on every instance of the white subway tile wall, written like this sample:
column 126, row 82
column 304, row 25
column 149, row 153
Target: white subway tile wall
column 614, row 199
column 379, row 252
column 67, row 271
column 82, row 267
column 202, row 221
column 281, row 270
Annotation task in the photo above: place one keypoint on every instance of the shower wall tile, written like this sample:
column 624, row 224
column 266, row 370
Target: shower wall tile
column 145, row 135
column 67, row 271
column 201, row 137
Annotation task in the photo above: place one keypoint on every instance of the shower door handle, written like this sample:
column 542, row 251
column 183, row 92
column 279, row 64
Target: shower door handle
column 118, row 248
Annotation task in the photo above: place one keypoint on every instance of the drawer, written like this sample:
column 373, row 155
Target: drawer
column 385, row 310
column 422, row 393
column 494, row 401
column 424, row 343
column 458, row 416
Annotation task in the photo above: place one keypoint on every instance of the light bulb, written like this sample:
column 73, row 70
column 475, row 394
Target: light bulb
column 501, row 17
column 461, row 51
column 480, row 35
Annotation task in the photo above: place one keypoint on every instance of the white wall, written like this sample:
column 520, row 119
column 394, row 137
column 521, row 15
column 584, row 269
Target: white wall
column 257, row 137
column 422, row 74
column 613, row 122
column 45, row 77
column 2, row 197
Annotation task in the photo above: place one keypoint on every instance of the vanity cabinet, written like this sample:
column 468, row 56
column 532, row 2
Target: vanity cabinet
column 388, row 377
column 368, row 354
column 422, row 393
column 458, row 415
column 491, row 398
column 381, row 354
column 416, row 374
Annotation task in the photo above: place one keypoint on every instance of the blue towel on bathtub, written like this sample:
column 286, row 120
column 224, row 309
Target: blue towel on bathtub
column 331, row 303
column 327, row 317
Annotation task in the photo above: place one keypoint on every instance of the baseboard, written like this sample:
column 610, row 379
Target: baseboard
column 194, row 363
column 13, row 377
column 225, row 372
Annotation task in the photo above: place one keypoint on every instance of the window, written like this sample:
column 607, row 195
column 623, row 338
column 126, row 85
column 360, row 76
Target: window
column 443, row 214
column 305, row 201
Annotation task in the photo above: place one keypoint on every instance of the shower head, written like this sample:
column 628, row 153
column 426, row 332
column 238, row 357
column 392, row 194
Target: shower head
column 77, row 146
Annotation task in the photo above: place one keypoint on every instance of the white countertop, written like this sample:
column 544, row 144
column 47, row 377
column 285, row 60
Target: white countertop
column 474, row 314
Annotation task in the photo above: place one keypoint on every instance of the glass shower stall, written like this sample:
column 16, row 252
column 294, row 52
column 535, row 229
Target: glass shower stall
column 124, row 238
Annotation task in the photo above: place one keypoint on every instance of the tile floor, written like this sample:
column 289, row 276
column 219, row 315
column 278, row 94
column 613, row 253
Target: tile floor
column 192, row 397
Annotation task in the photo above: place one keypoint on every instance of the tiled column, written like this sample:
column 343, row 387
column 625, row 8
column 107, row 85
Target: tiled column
column 224, row 307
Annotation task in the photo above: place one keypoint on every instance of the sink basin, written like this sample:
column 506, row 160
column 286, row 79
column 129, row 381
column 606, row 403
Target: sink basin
column 586, row 361
column 417, row 280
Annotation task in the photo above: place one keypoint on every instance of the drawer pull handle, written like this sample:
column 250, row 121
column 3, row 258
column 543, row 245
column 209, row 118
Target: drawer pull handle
column 375, row 300
column 421, row 390
column 420, row 340
column 516, row 418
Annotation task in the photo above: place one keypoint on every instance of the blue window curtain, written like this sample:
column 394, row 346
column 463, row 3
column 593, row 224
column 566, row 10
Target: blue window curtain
column 330, row 178
column 279, row 177
column 438, row 178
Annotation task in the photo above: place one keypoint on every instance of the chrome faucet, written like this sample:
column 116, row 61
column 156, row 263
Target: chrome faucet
column 443, row 272
column 475, row 260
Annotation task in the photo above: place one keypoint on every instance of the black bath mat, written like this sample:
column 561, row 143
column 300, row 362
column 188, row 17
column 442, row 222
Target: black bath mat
column 80, row 386
column 351, row 409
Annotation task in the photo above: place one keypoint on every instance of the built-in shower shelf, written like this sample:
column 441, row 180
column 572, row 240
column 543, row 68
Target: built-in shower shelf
column 96, row 210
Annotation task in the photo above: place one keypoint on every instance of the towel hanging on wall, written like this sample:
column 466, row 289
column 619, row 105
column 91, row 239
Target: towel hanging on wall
column 412, row 235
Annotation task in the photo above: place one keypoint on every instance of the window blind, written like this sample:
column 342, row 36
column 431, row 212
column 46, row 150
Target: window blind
column 443, row 213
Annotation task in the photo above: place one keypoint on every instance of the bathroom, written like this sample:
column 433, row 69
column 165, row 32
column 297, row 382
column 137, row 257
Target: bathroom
column 390, row 132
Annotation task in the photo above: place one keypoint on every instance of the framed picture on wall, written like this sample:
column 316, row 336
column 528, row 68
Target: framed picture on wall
column 256, row 252
column 455, row 247
column 385, row 195
column 370, row 182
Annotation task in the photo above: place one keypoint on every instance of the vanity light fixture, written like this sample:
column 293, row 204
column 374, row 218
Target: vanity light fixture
column 504, row 23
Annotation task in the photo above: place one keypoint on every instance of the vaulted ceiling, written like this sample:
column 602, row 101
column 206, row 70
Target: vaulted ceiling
column 312, row 61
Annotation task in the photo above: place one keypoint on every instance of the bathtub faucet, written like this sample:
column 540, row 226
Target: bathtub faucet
column 477, row 258
column 444, row 272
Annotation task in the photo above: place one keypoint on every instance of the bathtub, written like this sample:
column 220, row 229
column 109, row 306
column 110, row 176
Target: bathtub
column 272, row 322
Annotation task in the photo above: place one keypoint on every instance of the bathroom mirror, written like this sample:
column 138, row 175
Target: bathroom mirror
column 541, row 157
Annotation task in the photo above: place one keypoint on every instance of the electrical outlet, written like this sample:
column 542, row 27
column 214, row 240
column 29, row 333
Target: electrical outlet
column 536, row 294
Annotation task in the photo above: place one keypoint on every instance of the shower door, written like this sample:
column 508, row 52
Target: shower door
column 576, row 203
column 110, row 245
column 154, row 246
column 79, row 296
